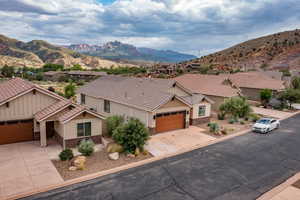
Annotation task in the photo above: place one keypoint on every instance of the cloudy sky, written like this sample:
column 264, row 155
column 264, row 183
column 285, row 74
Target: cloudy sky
column 192, row 26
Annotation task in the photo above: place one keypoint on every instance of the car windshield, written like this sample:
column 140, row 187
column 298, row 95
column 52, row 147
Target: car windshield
column 264, row 121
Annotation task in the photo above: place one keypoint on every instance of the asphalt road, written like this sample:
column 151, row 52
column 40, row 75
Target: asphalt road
column 241, row 168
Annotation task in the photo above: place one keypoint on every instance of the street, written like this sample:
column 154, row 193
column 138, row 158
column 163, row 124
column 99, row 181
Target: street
column 242, row 168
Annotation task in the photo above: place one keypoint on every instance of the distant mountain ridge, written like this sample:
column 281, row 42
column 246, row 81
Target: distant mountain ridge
column 119, row 51
column 38, row 52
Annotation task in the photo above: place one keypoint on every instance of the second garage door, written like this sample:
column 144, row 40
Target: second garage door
column 170, row 121
column 16, row 132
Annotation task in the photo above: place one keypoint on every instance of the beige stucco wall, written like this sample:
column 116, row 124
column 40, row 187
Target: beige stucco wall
column 117, row 109
column 251, row 94
column 196, row 108
column 217, row 102
column 24, row 107
column 70, row 128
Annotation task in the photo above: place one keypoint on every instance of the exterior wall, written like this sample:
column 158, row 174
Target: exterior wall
column 116, row 109
column 217, row 102
column 70, row 128
column 251, row 94
column 194, row 114
column 24, row 107
column 178, row 91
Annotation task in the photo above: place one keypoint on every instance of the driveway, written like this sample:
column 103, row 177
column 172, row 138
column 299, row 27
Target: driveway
column 25, row 166
column 271, row 113
column 242, row 168
column 171, row 142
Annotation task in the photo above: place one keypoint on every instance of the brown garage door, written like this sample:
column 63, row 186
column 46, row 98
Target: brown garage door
column 16, row 132
column 170, row 121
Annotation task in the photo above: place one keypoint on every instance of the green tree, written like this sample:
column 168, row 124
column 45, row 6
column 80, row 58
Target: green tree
column 295, row 84
column 131, row 135
column 70, row 90
column 289, row 96
column 76, row 67
column 8, row 71
column 265, row 96
column 52, row 67
column 113, row 122
column 236, row 107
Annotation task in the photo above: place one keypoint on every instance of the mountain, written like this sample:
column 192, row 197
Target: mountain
column 120, row 51
column 276, row 51
column 37, row 52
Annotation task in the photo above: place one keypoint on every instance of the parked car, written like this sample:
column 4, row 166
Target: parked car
column 265, row 125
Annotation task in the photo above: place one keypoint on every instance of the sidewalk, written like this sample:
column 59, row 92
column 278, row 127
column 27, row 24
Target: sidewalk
column 289, row 190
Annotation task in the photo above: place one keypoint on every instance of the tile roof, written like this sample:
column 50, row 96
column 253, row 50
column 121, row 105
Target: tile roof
column 207, row 84
column 142, row 93
column 52, row 109
column 194, row 99
column 255, row 80
column 14, row 87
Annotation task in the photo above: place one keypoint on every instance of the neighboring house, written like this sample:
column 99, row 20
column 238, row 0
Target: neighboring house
column 252, row 83
column 214, row 87
column 29, row 112
column 161, row 104
column 74, row 75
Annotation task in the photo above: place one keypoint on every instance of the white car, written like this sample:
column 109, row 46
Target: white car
column 265, row 125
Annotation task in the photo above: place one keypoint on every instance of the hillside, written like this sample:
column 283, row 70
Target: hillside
column 120, row 51
column 277, row 51
column 37, row 52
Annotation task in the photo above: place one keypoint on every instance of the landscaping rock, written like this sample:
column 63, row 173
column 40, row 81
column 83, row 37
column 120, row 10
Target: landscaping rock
column 79, row 162
column 130, row 155
column 72, row 168
column 114, row 156
column 114, row 147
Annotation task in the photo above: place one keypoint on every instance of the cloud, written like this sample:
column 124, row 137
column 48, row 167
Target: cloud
column 184, row 25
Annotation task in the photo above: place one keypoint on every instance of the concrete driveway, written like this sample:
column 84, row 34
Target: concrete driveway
column 25, row 166
column 170, row 142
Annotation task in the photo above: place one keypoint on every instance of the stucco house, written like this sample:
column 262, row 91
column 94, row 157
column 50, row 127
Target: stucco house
column 214, row 87
column 252, row 83
column 29, row 112
column 161, row 104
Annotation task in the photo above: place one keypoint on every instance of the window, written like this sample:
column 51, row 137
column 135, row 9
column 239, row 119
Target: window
column 82, row 97
column 84, row 129
column 201, row 111
column 106, row 106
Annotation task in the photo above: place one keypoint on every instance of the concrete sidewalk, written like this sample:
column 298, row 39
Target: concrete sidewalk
column 272, row 113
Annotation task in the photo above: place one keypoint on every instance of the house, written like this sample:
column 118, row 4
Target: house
column 74, row 75
column 29, row 112
column 161, row 104
column 252, row 83
column 214, row 87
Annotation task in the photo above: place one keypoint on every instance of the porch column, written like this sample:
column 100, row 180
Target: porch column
column 43, row 135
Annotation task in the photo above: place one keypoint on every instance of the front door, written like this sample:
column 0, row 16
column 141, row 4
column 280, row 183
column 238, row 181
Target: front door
column 50, row 129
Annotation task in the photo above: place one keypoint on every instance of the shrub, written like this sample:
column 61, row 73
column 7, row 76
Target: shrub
column 66, row 154
column 225, row 131
column 237, row 107
column 265, row 96
column 221, row 116
column 214, row 127
column 70, row 90
column 295, row 84
column 289, row 96
column 254, row 117
column 242, row 122
column 131, row 135
column 114, row 122
column 86, row 147
column 231, row 120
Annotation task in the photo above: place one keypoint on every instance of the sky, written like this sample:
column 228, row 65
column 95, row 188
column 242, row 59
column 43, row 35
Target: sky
column 197, row 27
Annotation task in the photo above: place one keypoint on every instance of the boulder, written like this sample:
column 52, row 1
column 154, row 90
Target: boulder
column 114, row 147
column 72, row 168
column 79, row 162
column 130, row 155
column 114, row 156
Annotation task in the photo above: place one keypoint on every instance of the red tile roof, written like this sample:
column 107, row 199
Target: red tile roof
column 207, row 84
column 14, row 87
column 52, row 109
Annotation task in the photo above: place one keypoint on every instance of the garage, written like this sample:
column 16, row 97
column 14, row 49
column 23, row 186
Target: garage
column 170, row 121
column 16, row 131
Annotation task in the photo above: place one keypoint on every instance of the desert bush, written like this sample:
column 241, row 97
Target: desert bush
column 131, row 135
column 86, row 147
column 114, row 122
column 289, row 96
column 254, row 117
column 237, row 107
column 265, row 96
column 221, row 116
column 214, row 127
column 66, row 154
